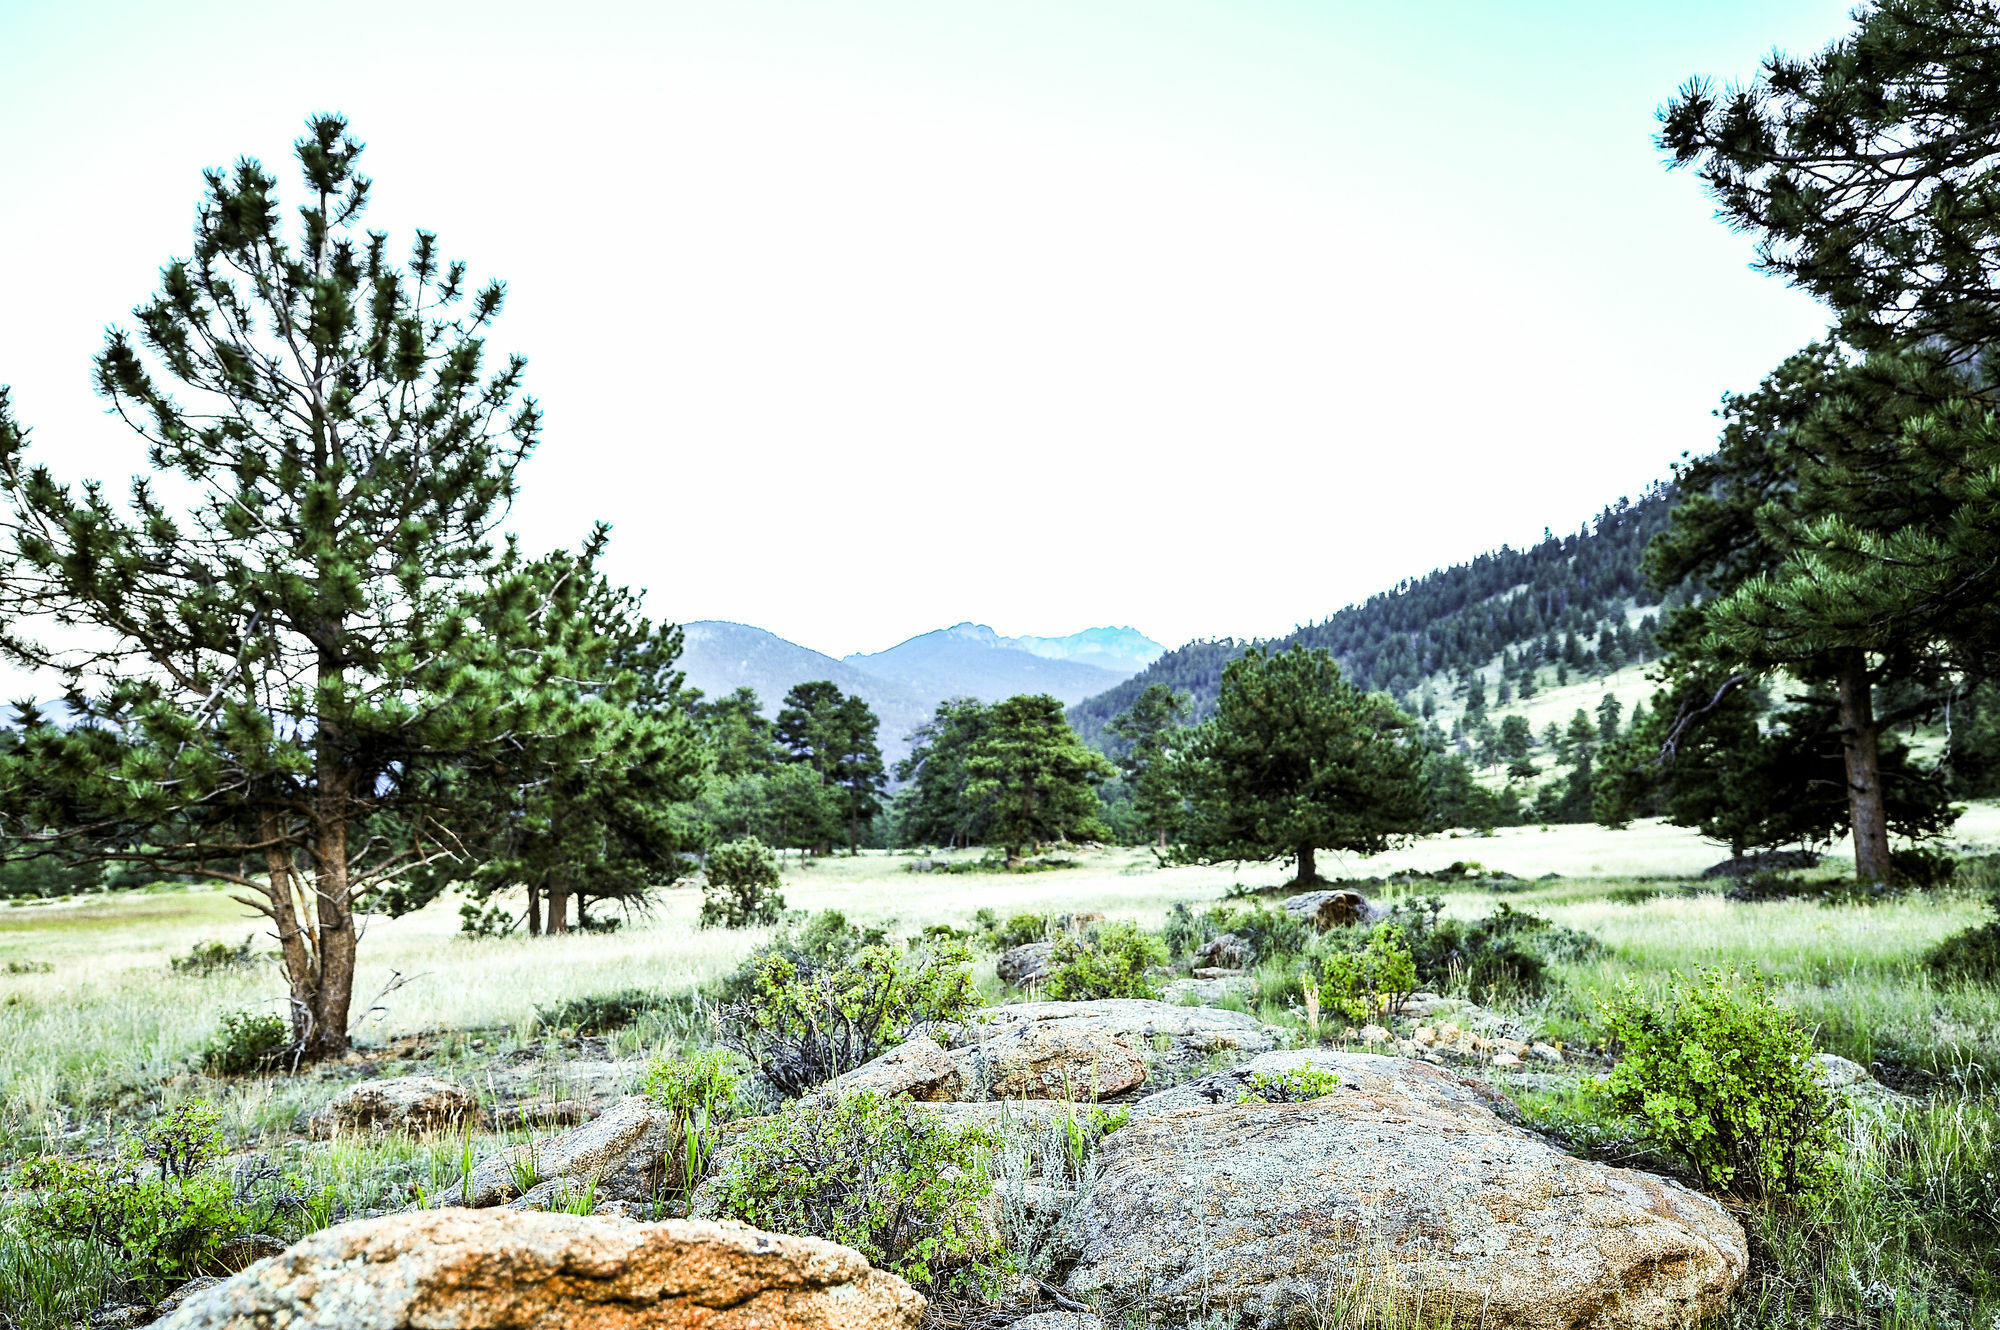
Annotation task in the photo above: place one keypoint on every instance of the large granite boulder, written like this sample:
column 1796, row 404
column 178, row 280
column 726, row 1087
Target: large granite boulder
column 484, row 1270
column 620, row 1154
column 1399, row 1182
column 1387, row 1078
column 414, row 1104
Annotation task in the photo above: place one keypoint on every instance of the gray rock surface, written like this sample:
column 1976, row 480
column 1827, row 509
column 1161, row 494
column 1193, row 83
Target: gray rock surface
column 1400, row 1182
column 1048, row 1060
column 1204, row 992
column 919, row 1069
column 1026, row 964
column 1367, row 1075
column 622, row 1152
column 1173, row 1040
column 399, row 1103
column 473, row 1269
column 1333, row 909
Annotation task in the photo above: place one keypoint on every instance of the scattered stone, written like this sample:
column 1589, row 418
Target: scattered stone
column 623, row 1152
column 474, row 1269
column 620, row 1210
column 1333, row 909
column 1375, row 1034
column 1025, row 964
column 1505, row 1059
column 919, row 1069
column 1423, row 1006
column 1402, row 1177
column 415, row 1104
column 1546, row 1052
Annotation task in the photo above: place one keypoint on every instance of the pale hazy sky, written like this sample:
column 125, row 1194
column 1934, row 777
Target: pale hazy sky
column 861, row 319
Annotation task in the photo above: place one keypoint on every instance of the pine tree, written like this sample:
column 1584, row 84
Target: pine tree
column 835, row 735
column 936, row 808
column 1153, row 728
column 737, row 732
column 1035, row 774
column 278, row 680
column 1296, row 760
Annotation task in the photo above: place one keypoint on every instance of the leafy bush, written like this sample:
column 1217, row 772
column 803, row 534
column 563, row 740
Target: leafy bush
column 1724, row 1076
column 902, row 1187
column 742, row 889
column 599, row 1013
column 205, row 958
column 1289, row 1087
column 1110, row 963
column 1972, row 955
column 700, row 1092
column 806, row 1021
column 246, row 1043
column 161, row 1211
column 1506, row 954
column 1268, row 933
column 1017, row 931
column 1922, row 867
column 1369, row 980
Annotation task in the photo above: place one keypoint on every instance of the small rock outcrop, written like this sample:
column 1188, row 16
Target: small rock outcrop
column 1852, row 1081
column 477, row 1270
column 1026, row 964
column 919, row 1069
column 1400, row 1181
column 622, row 1153
column 1049, row 1060
column 414, row 1104
column 1167, row 1036
column 1332, row 909
column 1228, row 952
column 1361, row 1074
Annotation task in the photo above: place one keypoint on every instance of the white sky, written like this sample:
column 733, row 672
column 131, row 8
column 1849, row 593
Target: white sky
column 858, row 320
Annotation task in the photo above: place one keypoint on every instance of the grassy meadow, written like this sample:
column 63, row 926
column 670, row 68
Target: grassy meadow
column 98, row 1033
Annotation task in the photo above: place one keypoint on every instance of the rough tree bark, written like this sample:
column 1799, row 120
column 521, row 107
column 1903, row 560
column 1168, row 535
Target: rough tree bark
column 1860, row 740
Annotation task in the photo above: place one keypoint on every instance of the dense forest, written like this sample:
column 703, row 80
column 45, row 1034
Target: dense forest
column 1560, row 601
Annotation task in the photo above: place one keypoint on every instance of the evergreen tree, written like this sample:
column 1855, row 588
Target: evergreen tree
column 936, row 808
column 1296, row 760
column 737, row 732
column 1608, row 710
column 592, row 804
column 1035, row 774
column 1580, row 740
column 1152, row 728
column 835, row 735
column 278, row 682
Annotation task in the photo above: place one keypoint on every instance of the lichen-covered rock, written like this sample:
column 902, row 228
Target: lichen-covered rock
column 1200, row 992
column 1851, row 1081
column 1400, row 1180
column 484, row 1270
column 1332, row 909
column 1049, row 1060
column 622, row 1152
column 1172, row 1039
column 918, row 1069
column 1026, row 964
column 1370, row 1075
column 400, row 1103
column 1228, row 952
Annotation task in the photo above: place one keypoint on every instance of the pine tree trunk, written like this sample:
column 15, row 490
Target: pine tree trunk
column 534, row 911
column 300, row 979
column 334, row 909
column 558, row 908
column 853, row 833
column 1308, row 866
column 1860, row 740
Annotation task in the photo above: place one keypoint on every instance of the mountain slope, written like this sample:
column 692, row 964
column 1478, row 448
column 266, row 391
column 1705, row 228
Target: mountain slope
column 1555, row 600
column 971, row 660
column 1121, row 650
column 720, row 657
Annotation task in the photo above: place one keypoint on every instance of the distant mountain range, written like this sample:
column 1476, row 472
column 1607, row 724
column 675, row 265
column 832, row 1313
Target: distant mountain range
column 905, row 683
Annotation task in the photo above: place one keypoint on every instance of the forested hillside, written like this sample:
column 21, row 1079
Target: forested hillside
column 1566, row 600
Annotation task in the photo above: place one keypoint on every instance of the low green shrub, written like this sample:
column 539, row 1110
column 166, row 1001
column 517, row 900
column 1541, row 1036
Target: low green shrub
column 742, row 886
column 1505, row 955
column 1289, row 1087
column 245, row 1043
column 1017, row 931
column 700, row 1091
column 1973, row 955
column 161, row 1211
column 206, row 958
column 1724, row 1078
column 901, row 1187
column 599, row 1013
column 1268, row 933
column 807, row 1020
column 1109, row 963
column 1370, row 980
